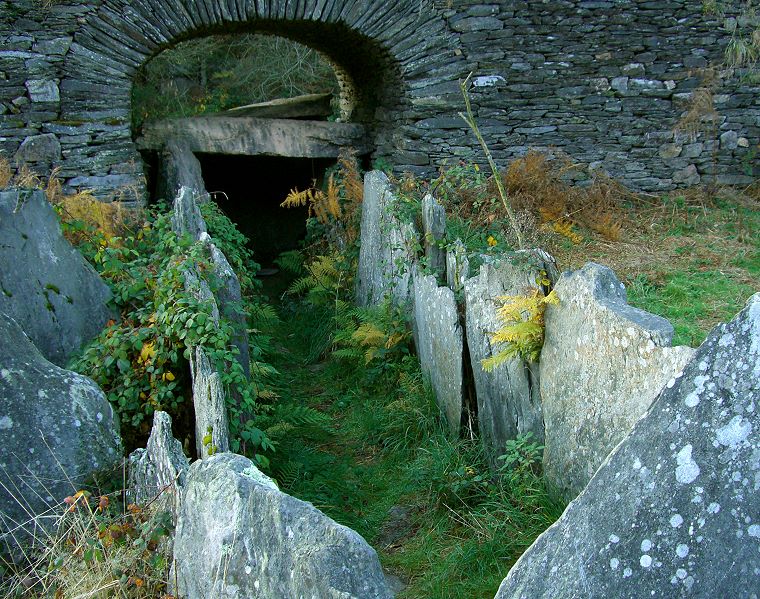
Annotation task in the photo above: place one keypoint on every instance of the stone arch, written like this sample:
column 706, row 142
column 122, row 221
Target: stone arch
column 384, row 48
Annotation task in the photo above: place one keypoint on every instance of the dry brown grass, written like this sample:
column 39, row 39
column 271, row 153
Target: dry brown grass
column 113, row 219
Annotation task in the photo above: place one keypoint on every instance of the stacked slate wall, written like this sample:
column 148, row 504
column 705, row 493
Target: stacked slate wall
column 603, row 81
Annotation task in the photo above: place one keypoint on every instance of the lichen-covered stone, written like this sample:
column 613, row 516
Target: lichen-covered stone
column 509, row 403
column 438, row 337
column 186, row 215
column 45, row 284
column 157, row 473
column 238, row 536
column 674, row 510
column 387, row 249
column 57, row 430
column 602, row 365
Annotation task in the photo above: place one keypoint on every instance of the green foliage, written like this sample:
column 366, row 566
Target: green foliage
column 522, row 330
column 214, row 73
column 141, row 361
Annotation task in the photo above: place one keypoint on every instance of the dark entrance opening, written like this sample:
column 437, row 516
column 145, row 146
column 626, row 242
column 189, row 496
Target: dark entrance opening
column 250, row 189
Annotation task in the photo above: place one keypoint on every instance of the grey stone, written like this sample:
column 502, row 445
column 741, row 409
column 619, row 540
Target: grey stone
column 186, row 215
column 309, row 105
column 687, row 176
column 255, row 136
column 457, row 266
column 238, row 536
column 438, row 338
column 45, row 284
column 229, row 299
column 209, row 397
column 674, row 510
column 508, row 397
column 43, row 90
column 157, row 473
column 180, row 168
column 729, row 140
column 39, row 148
column 670, row 150
column 387, row 247
column 434, row 231
column 57, row 430
column 602, row 365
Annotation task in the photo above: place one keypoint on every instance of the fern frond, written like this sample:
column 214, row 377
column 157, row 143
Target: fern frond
column 291, row 261
column 297, row 198
column 368, row 335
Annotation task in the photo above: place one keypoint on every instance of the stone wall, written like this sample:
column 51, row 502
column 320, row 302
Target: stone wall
column 604, row 81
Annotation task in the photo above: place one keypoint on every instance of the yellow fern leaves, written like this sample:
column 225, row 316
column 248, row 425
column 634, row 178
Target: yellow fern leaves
column 523, row 330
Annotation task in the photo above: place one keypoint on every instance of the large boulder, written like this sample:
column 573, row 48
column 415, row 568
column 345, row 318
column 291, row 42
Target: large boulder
column 602, row 365
column 45, row 284
column 509, row 403
column 157, row 473
column 674, row 511
column 387, row 250
column 438, row 337
column 238, row 536
column 57, row 430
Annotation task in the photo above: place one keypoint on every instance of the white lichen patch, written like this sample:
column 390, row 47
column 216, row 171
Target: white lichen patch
column 687, row 469
column 682, row 550
column 734, row 433
column 6, row 423
column 645, row 561
column 676, row 520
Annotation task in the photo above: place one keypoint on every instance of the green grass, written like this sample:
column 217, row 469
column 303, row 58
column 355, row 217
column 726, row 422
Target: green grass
column 384, row 447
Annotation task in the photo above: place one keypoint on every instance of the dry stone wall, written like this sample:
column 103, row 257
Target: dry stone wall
column 603, row 80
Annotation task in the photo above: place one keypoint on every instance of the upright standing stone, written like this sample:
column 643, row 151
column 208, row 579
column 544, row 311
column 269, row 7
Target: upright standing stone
column 57, row 429
column 186, row 215
column 238, row 536
column 602, row 365
column 438, row 337
column 674, row 510
column 457, row 266
column 387, row 246
column 434, row 231
column 157, row 473
column 509, row 403
column 45, row 284
column 180, row 168
column 209, row 397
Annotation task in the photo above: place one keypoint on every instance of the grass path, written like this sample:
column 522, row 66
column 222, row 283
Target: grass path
column 378, row 462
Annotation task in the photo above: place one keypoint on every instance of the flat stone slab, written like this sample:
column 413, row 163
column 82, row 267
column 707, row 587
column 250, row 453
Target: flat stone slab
column 674, row 511
column 298, row 107
column 602, row 365
column 251, row 136
column 439, row 340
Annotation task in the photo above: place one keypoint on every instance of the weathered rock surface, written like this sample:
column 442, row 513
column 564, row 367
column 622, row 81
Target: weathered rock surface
column 250, row 136
column 178, row 168
column 298, row 107
column 386, row 255
column 186, row 215
column 157, row 473
column 45, row 284
column 57, row 429
column 674, row 511
column 602, row 365
column 457, row 266
column 229, row 298
column 209, row 398
column 438, row 337
column 433, row 232
column 509, row 403
column 238, row 536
